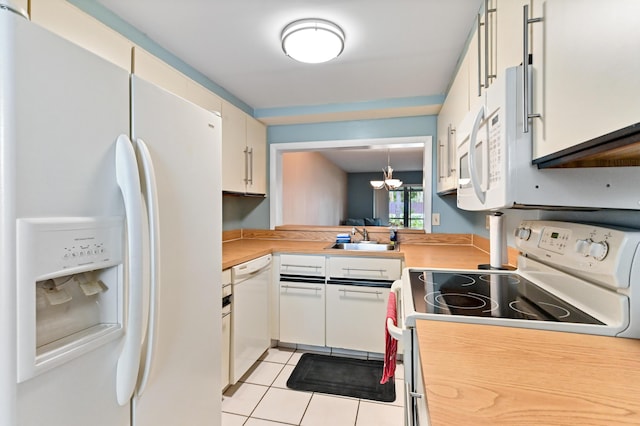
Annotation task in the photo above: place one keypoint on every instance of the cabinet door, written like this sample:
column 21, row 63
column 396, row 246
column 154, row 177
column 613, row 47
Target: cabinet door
column 356, row 317
column 158, row 72
column 257, row 146
column 590, row 79
column 66, row 20
column 302, row 318
column 509, row 34
column 447, row 180
column 234, row 158
column 203, row 97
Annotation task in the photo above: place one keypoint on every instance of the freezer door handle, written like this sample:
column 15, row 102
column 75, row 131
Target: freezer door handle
column 128, row 180
column 151, row 197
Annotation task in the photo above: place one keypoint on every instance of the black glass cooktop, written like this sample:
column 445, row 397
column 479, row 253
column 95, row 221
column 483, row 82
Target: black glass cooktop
column 498, row 295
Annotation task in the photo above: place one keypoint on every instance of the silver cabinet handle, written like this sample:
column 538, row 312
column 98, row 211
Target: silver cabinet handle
column 480, row 86
column 486, row 43
column 452, row 131
column 441, row 162
column 251, row 166
column 299, row 287
column 364, row 270
column 300, row 266
column 448, row 151
column 246, row 165
column 346, row 290
column 416, row 395
column 526, row 90
column 487, row 74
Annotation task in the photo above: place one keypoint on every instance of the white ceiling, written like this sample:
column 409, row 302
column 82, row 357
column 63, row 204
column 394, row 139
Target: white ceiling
column 374, row 160
column 394, row 50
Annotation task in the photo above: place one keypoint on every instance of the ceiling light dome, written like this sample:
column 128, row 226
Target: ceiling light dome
column 312, row 41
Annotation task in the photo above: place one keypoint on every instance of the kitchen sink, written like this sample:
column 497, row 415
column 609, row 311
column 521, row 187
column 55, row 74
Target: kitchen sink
column 364, row 246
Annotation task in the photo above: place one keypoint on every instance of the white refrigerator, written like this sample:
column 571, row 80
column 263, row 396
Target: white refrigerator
column 61, row 110
column 179, row 146
column 85, row 338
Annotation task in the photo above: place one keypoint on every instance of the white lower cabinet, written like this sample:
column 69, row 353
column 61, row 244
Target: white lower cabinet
column 348, row 312
column 302, row 316
column 301, row 299
column 355, row 317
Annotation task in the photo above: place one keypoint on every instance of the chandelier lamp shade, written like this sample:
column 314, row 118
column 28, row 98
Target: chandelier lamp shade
column 312, row 41
column 387, row 182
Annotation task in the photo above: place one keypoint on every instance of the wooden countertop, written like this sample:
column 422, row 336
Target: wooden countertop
column 491, row 375
column 415, row 255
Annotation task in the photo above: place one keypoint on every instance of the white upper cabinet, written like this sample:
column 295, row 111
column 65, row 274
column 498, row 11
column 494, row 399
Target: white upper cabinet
column 482, row 51
column 66, row 20
column 244, row 152
column 586, row 71
column 234, row 159
column 453, row 110
column 257, row 146
column 509, row 17
column 203, row 97
column 158, row 72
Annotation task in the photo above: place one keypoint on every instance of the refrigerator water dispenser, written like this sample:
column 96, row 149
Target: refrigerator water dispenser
column 70, row 287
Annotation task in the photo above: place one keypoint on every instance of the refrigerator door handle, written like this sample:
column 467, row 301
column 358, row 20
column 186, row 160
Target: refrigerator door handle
column 128, row 180
column 151, row 196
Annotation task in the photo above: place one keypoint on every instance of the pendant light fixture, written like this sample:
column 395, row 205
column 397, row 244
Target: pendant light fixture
column 312, row 41
column 388, row 181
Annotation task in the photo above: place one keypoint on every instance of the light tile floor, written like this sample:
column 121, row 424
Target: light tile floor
column 261, row 398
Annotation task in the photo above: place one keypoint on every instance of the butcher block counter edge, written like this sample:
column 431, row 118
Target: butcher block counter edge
column 492, row 375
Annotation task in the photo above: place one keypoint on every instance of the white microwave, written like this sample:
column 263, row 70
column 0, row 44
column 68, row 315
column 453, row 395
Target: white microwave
column 494, row 162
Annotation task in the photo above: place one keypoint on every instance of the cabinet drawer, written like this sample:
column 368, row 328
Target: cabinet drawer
column 299, row 264
column 365, row 268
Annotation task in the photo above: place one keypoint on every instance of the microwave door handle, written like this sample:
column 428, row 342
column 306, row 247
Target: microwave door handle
column 473, row 172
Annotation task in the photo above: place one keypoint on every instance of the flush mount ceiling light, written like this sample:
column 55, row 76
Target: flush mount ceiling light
column 312, row 41
column 388, row 181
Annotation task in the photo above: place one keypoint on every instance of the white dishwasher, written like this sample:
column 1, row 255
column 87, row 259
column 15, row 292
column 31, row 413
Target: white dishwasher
column 250, row 318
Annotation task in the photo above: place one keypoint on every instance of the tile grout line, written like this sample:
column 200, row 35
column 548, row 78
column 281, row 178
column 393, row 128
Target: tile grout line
column 357, row 412
column 306, row 408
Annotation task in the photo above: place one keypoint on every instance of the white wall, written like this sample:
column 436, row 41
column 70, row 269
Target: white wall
column 314, row 190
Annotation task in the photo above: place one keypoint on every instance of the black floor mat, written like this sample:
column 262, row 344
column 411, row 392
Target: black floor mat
column 335, row 375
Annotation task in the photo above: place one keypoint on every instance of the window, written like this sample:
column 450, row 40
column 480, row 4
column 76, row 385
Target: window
column 406, row 207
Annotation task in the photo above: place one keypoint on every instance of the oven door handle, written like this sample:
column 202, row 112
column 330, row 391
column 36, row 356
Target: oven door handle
column 395, row 332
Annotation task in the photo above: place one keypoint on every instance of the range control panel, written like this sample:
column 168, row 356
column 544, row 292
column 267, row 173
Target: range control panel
column 595, row 252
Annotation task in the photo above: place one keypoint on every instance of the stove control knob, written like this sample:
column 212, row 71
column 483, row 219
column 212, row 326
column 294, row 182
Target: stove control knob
column 599, row 250
column 523, row 233
column 583, row 247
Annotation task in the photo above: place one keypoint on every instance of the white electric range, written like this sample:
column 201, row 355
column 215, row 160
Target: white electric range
column 571, row 277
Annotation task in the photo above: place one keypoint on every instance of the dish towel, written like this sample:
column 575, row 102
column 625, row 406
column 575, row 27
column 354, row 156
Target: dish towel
column 391, row 344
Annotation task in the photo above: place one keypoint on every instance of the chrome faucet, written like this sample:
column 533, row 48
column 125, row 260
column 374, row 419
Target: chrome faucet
column 364, row 233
